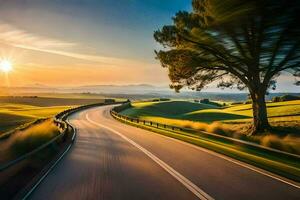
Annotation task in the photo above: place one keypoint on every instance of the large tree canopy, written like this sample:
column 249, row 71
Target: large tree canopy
column 242, row 43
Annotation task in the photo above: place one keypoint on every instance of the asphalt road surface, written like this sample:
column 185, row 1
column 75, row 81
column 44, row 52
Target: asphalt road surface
column 111, row 160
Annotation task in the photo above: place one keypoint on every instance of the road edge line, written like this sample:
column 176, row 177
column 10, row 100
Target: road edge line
column 242, row 164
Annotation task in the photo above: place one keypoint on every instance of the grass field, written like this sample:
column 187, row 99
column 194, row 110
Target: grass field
column 232, row 121
column 16, row 111
column 14, row 115
column 20, row 111
column 183, row 113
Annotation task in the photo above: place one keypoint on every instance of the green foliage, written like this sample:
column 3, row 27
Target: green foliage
column 285, row 98
column 235, row 41
column 242, row 43
column 160, row 99
column 197, row 112
column 206, row 101
column 122, row 107
column 231, row 121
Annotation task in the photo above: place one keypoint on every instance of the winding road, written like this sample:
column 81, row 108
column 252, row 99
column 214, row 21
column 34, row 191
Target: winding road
column 111, row 160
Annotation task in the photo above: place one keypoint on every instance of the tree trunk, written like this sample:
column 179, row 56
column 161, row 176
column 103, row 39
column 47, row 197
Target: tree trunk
column 260, row 117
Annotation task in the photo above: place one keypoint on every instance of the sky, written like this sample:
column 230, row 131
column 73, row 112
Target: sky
column 87, row 42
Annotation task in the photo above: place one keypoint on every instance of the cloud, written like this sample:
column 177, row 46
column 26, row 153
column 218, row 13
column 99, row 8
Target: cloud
column 16, row 37
column 87, row 57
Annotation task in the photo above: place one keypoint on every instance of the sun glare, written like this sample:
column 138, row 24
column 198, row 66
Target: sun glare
column 5, row 66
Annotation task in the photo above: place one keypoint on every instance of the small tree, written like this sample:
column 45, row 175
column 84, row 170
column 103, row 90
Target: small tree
column 239, row 43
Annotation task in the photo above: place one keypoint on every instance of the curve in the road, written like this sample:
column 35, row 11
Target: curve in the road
column 186, row 182
column 111, row 160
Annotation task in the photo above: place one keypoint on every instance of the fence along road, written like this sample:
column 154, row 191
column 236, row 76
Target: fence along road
column 111, row 160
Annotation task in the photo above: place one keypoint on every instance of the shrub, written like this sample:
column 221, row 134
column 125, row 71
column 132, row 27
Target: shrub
column 109, row 101
column 248, row 102
column 122, row 107
column 236, row 103
column 276, row 99
column 288, row 143
column 206, row 101
column 285, row 98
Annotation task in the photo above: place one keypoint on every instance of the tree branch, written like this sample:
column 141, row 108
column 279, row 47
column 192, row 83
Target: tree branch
column 269, row 76
column 289, row 55
column 215, row 53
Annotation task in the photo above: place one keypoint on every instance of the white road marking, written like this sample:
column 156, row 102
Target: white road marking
column 186, row 182
column 237, row 162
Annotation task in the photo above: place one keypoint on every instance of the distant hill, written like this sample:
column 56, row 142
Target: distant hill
column 134, row 91
column 139, row 88
column 119, row 86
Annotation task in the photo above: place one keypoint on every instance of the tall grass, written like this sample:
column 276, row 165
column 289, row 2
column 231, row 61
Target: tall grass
column 215, row 127
column 24, row 141
column 286, row 142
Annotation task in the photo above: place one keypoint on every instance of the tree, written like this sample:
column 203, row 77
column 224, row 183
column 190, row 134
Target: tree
column 238, row 43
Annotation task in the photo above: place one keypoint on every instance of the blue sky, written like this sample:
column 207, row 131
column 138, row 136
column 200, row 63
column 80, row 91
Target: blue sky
column 96, row 41
column 122, row 28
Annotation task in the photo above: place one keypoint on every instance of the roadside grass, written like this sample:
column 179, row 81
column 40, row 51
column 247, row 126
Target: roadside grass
column 282, row 165
column 234, row 121
column 26, row 140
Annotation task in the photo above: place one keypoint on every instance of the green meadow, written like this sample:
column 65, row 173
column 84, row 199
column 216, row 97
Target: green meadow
column 232, row 120
column 181, row 112
column 19, row 110
column 14, row 115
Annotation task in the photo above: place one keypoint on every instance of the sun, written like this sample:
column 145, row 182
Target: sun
column 5, row 66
